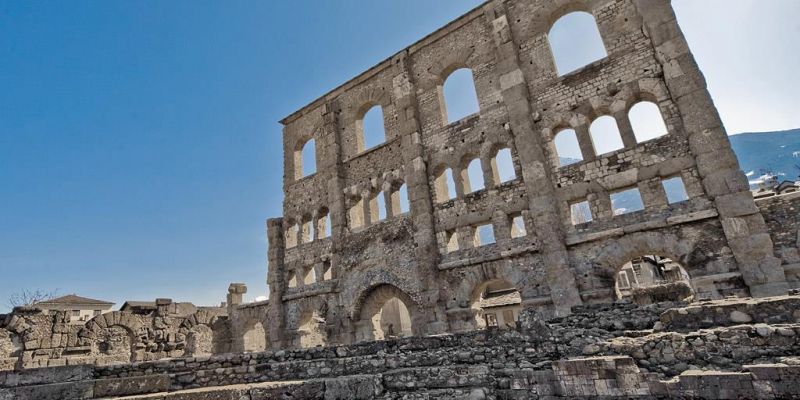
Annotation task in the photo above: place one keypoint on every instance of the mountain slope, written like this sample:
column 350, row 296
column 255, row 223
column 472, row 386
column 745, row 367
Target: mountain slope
column 776, row 153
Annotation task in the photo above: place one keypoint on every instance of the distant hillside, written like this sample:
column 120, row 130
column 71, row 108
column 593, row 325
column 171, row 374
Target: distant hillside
column 776, row 153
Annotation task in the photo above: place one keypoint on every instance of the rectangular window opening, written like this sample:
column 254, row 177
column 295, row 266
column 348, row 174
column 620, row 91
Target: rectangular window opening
column 518, row 227
column 484, row 235
column 675, row 189
column 581, row 212
column 626, row 201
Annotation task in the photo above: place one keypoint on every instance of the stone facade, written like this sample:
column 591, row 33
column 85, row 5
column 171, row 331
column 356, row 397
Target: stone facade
column 340, row 281
column 339, row 256
column 31, row 338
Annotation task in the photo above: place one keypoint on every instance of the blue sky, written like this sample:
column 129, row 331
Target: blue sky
column 140, row 152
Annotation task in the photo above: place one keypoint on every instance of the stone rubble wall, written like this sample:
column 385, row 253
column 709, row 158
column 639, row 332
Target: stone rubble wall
column 597, row 352
column 30, row 338
column 782, row 216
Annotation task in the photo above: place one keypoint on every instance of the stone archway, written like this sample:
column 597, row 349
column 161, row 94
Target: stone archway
column 115, row 344
column 651, row 279
column 385, row 312
column 648, row 250
column 495, row 303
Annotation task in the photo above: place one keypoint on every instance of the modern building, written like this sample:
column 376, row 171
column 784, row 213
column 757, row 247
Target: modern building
column 80, row 309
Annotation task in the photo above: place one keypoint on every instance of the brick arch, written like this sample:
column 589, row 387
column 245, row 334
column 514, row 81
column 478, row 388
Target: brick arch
column 370, row 300
column 490, row 148
column 616, row 252
column 650, row 89
column 437, row 73
column 368, row 98
column 472, row 279
column 115, row 318
column 551, row 11
column 201, row 317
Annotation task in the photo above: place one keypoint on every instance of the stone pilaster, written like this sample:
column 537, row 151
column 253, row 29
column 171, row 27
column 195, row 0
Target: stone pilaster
column 419, row 192
column 722, row 178
column 276, row 280
column 535, row 166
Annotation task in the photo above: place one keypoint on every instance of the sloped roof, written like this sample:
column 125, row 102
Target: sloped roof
column 501, row 298
column 138, row 304
column 73, row 299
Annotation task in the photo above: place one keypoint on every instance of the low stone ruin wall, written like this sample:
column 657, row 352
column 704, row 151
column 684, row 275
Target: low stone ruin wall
column 31, row 338
column 598, row 351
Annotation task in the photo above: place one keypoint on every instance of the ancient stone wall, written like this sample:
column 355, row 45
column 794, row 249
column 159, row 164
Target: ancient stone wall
column 30, row 338
column 334, row 258
column 665, row 350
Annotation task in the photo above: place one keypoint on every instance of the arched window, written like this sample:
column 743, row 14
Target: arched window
column 647, row 121
column 305, row 159
column 378, row 207
column 459, row 96
column 575, row 42
column 310, row 158
column 445, row 186
column 503, row 166
column 472, row 177
column 605, row 135
column 567, row 147
column 372, row 128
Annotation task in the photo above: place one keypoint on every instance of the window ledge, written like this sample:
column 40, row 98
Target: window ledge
column 487, row 258
column 468, row 120
column 310, row 290
column 578, row 238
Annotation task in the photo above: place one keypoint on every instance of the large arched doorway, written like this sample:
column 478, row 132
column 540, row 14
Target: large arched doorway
column 385, row 313
column 651, row 279
column 496, row 304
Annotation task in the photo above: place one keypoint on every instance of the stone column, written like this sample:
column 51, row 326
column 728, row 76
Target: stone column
column 625, row 129
column 276, row 282
column 585, row 142
column 419, row 193
column 535, row 165
column 235, row 293
column 722, row 178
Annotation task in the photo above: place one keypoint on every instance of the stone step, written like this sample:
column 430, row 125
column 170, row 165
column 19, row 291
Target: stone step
column 253, row 391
